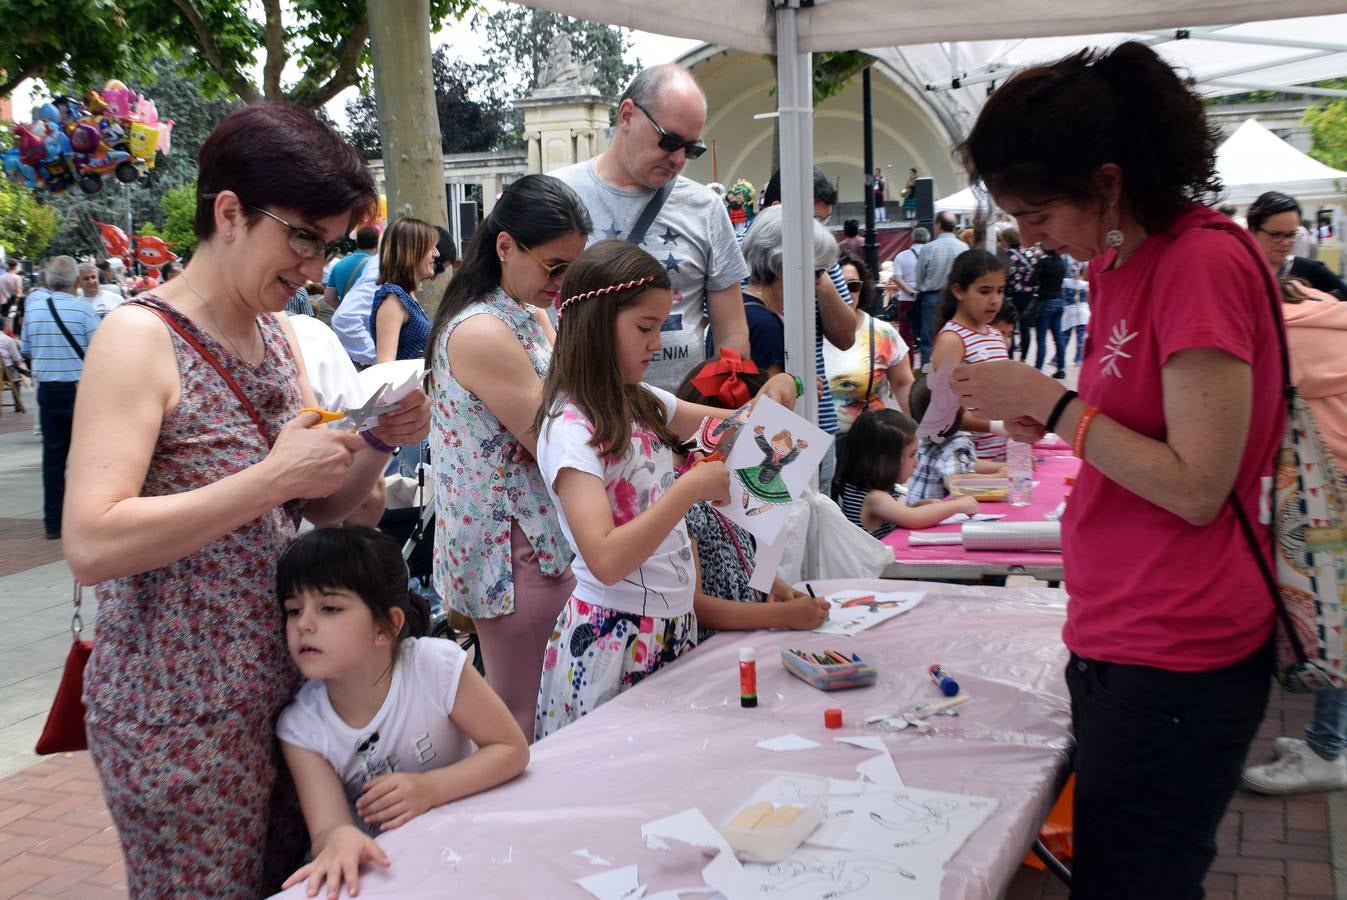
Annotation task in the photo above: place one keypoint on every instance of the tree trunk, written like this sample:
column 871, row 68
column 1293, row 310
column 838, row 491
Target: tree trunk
column 408, row 122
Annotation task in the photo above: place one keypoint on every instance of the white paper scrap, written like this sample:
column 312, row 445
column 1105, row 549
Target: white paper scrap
column 959, row 518
column 878, row 769
column 787, row 742
column 584, row 853
column 615, row 884
column 686, row 827
column 726, row 874
column 450, row 856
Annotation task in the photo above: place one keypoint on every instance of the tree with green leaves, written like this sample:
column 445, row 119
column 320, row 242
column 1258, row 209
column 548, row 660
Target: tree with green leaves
column 466, row 125
column 72, row 44
column 1328, row 128
column 179, row 212
column 522, row 37
column 26, row 226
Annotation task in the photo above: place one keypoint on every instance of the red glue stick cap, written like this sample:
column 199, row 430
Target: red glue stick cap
column 832, row 718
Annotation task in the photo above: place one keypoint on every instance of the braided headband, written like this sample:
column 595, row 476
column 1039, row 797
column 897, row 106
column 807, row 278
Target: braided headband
column 623, row 286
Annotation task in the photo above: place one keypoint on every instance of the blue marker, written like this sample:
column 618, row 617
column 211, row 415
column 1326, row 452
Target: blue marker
column 948, row 686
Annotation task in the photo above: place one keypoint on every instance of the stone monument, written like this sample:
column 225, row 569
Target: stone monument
column 565, row 118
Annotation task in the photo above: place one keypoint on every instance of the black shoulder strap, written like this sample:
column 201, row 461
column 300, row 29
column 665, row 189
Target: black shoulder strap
column 79, row 351
column 651, row 210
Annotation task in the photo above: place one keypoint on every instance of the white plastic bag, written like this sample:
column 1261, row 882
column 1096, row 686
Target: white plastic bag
column 844, row 550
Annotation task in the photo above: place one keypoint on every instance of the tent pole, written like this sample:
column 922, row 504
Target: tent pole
column 871, row 251
column 795, row 98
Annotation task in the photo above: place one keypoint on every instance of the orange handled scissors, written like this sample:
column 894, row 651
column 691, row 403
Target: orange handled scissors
column 361, row 418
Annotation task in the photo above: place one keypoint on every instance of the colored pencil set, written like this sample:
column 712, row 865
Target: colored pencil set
column 828, row 670
column 828, row 657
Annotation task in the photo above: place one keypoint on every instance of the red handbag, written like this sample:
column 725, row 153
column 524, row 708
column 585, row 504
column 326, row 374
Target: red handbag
column 64, row 731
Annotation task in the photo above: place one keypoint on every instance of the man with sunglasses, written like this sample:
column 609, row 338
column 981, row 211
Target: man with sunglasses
column 660, row 119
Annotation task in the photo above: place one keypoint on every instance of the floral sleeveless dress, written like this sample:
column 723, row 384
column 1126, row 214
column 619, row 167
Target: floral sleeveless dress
column 189, row 669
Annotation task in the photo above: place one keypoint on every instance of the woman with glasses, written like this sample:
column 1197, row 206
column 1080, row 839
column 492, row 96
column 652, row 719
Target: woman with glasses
column 1274, row 220
column 187, row 474
column 500, row 556
column 407, row 256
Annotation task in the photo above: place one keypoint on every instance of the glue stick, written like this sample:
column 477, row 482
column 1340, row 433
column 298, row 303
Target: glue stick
column 748, row 678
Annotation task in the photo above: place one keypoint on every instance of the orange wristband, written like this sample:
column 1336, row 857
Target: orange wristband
column 1082, row 429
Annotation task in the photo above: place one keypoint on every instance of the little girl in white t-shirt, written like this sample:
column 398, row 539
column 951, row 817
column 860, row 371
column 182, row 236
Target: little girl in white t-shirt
column 384, row 728
column 605, row 450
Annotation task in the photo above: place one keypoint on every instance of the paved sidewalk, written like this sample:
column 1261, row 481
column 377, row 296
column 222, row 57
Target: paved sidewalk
column 56, row 839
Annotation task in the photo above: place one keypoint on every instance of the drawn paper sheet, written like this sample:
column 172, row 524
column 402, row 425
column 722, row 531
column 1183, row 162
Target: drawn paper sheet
column 774, row 454
column 854, row 611
column 908, row 825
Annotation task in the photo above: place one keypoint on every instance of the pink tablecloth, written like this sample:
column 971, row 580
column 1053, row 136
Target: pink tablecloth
column 681, row 739
column 1051, row 476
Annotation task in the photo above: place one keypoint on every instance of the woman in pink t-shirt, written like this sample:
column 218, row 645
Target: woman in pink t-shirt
column 1107, row 157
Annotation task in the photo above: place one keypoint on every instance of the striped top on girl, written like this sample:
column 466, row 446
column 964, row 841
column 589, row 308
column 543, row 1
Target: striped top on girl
column 973, row 297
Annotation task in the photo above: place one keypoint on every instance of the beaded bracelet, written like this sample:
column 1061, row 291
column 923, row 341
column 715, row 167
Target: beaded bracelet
column 1082, row 429
column 375, row 442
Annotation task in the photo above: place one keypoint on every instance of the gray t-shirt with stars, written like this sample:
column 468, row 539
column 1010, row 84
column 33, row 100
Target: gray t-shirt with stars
column 693, row 238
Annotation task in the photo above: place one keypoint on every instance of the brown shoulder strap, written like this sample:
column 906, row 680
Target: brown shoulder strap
column 209, row 357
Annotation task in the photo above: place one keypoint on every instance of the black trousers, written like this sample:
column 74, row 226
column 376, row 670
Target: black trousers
column 1158, row 758
column 56, row 413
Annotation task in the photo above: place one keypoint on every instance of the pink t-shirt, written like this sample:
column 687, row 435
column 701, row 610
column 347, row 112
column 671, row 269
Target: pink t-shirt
column 1146, row 587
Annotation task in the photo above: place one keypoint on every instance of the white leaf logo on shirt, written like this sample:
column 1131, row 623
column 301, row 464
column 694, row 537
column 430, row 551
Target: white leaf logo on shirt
column 1118, row 339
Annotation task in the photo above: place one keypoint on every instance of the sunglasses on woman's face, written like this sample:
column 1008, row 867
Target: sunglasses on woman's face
column 855, row 286
column 670, row 142
column 551, row 270
column 305, row 243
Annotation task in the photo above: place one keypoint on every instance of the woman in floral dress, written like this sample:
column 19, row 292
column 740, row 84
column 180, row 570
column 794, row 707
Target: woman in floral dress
column 185, row 484
column 500, row 556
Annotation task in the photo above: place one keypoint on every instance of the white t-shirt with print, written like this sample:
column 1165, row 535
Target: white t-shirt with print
column 661, row 586
column 411, row 732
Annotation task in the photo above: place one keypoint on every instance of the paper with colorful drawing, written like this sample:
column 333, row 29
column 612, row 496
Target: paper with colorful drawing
column 854, row 611
column 772, row 459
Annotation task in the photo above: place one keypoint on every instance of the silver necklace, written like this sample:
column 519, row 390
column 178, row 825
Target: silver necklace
column 211, row 313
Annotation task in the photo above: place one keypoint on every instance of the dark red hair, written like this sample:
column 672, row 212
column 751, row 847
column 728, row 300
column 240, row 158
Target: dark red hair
column 280, row 154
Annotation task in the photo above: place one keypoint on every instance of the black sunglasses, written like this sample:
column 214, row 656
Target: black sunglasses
column 855, row 287
column 672, row 143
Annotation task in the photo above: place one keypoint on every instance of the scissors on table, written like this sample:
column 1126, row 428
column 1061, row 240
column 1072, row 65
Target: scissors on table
column 361, row 418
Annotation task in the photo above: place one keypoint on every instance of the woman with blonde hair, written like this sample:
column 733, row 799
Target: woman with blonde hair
column 406, row 257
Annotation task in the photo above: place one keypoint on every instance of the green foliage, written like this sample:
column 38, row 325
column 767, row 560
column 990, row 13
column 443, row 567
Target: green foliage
column 834, row 69
column 523, row 37
column 466, row 125
column 179, row 210
column 66, row 42
column 26, row 226
column 72, row 43
column 1328, row 130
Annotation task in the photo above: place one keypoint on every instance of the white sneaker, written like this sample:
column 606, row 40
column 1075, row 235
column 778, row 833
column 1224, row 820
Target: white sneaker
column 1283, row 745
column 1297, row 772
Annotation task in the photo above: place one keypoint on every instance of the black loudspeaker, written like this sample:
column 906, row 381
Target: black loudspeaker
column 468, row 219
column 925, row 191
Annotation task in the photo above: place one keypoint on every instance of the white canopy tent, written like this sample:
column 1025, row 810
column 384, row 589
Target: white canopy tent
column 964, row 201
column 792, row 29
column 1254, row 160
column 1220, row 60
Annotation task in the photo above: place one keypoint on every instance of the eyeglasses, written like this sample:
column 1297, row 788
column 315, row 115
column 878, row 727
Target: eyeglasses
column 855, row 287
column 304, row 242
column 553, row 270
column 672, row 143
column 1279, row 237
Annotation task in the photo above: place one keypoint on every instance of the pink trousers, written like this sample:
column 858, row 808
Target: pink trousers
column 513, row 645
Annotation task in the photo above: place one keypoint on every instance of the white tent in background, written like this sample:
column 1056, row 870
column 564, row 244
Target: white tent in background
column 1254, row 160
column 965, row 201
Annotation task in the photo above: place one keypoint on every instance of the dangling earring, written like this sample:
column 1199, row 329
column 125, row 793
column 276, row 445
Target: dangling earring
column 1114, row 238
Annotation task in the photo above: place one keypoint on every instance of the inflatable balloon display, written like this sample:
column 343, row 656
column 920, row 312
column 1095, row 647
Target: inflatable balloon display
column 115, row 241
column 73, row 141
